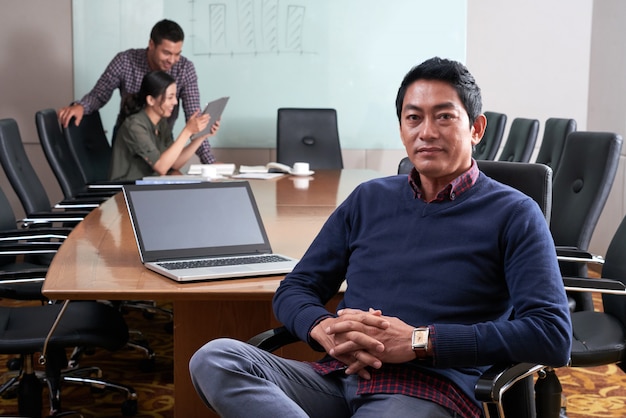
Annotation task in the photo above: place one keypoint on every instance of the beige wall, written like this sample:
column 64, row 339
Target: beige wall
column 35, row 73
column 532, row 58
column 607, row 104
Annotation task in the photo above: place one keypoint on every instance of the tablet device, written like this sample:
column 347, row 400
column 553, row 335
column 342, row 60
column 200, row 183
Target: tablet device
column 215, row 109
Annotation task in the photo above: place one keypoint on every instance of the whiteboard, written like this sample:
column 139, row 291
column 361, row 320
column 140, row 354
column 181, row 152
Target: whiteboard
column 350, row 55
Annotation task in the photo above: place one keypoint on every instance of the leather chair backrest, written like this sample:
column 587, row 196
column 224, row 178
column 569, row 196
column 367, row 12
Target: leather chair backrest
column 405, row 166
column 58, row 153
column 308, row 135
column 582, row 185
column 19, row 170
column 534, row 180
column 7, row 223
column 580, row 190
column 553, row 142
column 90, row 147
column 520, row 141
column 489, row 145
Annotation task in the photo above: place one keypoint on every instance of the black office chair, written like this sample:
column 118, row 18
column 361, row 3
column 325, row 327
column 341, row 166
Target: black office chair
column 525, row 177
column 520, row 141
column 308, row 135
column 62, row 161
column 28, row 187
column 51, row 329
column 553, row 142
column 506, row 173
column 581, row 187
column 513, row 389
column 405, row 166
column 90, row 147
column 489, row 145
column 32, row 194
column 25, row 251
column 598, row 337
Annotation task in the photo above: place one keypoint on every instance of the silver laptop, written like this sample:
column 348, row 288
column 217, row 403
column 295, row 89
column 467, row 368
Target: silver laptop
column 202, row 231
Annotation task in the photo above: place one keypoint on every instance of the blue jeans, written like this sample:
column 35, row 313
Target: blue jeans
column 239, row 380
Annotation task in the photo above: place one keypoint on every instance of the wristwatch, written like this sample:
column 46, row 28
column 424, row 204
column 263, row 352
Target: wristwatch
column 420, row 339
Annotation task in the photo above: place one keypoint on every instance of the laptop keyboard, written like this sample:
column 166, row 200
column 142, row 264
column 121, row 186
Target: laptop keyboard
column 217, row 262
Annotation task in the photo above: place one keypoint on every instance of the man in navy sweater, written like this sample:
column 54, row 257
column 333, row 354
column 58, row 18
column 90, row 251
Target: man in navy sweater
column 435, row 265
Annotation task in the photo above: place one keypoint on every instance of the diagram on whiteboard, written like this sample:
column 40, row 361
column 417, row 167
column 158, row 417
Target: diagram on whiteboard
column 249, row 27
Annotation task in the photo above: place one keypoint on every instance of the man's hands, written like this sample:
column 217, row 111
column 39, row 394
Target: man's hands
column 67, row 113
column 362, row 339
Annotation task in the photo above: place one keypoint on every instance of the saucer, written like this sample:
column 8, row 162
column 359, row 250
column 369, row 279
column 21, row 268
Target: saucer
column 309, row 173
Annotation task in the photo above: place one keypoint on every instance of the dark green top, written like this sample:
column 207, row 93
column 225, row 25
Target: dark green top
column 138, row 145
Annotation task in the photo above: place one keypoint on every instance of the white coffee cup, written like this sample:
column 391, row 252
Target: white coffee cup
column 300, row 168
column 209, row 172
column 301, row 183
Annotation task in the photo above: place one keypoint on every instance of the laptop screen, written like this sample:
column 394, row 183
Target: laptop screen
column 177, row 221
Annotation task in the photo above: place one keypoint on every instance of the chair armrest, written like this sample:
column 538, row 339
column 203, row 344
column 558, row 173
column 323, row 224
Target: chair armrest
column 61, row 214
column 78, row 204
column 29, row 234
column 494, row 382
column 103, row 193
column 587, row 284
column 34, row 275
column 7, row 248
column 116, row 186
column 73, row 217
column 273, row 339
column 573, row 254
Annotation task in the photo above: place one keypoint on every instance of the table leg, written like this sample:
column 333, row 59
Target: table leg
column 195, row 323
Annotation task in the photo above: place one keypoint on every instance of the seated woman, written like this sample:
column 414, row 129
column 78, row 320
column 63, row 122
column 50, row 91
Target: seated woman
column 144, row 144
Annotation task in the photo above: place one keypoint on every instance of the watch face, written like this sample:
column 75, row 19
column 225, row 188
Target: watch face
column 420, row 338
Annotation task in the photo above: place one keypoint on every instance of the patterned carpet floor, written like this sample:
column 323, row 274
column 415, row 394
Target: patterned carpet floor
column 590, row 392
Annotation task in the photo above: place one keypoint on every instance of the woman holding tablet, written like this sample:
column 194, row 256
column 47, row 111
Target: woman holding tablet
column 144, row 145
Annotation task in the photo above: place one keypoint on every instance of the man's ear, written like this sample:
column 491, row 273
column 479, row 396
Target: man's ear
column 478, row 128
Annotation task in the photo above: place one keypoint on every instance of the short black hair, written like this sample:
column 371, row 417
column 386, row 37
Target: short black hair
column 451, row 72
column 166, row 29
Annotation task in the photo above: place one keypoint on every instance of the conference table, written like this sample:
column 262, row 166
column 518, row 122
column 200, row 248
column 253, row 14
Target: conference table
column 99, row 260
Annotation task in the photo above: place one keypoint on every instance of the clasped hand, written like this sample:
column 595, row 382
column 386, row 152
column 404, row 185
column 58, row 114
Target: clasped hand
column 361, row 339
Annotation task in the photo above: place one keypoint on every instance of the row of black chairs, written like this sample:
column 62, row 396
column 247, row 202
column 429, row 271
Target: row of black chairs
column 52, row 328
column 521, row 140
column 81, row 161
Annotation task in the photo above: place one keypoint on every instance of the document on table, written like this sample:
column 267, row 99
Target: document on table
column 258, row 176
column 223, row 169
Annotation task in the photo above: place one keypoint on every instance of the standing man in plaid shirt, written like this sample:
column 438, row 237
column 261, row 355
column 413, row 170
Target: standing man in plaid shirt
column 127, row 69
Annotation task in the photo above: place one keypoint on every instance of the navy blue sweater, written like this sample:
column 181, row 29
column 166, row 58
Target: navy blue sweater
column 462, row 266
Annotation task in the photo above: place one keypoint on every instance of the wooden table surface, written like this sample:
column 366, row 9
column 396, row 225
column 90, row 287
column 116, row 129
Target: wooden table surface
column 99, row 260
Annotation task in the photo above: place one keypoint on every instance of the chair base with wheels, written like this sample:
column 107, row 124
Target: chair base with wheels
column 50, row 330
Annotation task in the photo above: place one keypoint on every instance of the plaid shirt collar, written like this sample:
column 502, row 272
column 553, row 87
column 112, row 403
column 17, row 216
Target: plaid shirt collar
column 454, row 189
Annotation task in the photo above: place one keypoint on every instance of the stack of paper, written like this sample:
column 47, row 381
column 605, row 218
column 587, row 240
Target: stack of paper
column 247, row 169
column 222, row 169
